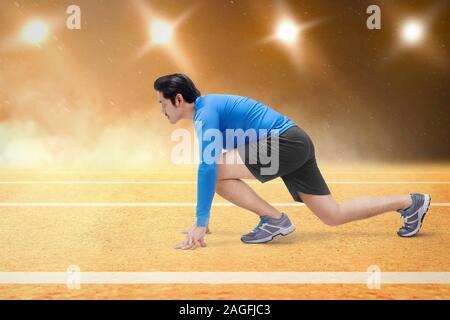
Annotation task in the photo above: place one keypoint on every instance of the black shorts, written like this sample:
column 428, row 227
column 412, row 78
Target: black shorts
column 296, row 163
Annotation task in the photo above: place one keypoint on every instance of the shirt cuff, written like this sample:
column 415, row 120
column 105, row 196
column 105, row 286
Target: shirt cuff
column 202, row 221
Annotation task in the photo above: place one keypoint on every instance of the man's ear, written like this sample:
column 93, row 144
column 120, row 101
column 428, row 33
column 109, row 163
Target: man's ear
column 179, row 99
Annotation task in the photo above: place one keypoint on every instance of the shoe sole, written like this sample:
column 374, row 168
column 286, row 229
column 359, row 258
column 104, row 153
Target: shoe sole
column 422, row 211
column 284, row 232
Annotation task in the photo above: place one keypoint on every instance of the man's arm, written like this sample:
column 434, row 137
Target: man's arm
column 210, row 140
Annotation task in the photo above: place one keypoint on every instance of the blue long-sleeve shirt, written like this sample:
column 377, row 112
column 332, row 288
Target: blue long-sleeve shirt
column 215, row 115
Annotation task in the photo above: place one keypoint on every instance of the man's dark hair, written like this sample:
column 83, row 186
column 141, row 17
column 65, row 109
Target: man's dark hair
column 172, row 84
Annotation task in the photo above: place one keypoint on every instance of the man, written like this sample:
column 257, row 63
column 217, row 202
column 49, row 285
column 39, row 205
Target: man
column 287, row 146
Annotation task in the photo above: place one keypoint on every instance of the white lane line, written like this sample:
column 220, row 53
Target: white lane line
column 97, row 182
column 195, row 182
column 74, row 278
column 151, row 204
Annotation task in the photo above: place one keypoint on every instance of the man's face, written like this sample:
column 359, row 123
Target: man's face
column 172, row 112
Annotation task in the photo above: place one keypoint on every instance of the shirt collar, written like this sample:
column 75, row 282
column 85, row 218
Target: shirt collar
column 197, row 103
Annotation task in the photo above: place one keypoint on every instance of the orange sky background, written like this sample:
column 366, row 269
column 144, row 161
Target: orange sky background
column 85, row 97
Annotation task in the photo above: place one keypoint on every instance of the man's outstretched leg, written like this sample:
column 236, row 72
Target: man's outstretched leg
column 413, row 208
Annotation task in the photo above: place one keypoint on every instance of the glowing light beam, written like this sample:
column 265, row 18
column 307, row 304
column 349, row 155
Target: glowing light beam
column 287, row 31
column 412, row 32
column 161, row 32
column 35, row 32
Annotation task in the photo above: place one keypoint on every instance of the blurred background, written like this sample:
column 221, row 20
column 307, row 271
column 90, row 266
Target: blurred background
column 85, row 98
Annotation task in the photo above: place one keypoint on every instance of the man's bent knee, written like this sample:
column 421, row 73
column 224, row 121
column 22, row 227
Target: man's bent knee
column 332, row 217
column 233, row 171
column 219, row 186
column 331, row 221
column 324, row 207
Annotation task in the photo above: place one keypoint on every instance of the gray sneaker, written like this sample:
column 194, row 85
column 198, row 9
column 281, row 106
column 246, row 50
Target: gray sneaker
column 268, row 228
column 414, row 215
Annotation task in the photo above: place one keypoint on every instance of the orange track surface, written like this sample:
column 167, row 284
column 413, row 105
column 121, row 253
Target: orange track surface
column 142, row 238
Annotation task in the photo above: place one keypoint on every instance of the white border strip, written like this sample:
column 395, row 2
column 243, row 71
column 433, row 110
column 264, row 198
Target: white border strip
column 151, row 204
column 86, row 182
column 224, row 278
